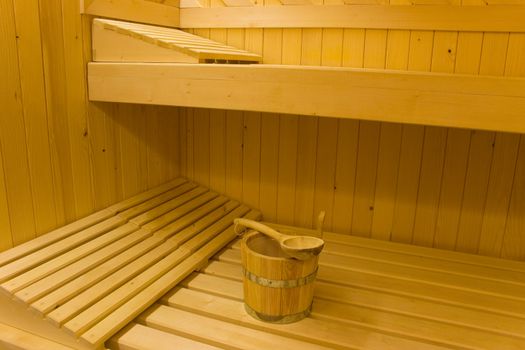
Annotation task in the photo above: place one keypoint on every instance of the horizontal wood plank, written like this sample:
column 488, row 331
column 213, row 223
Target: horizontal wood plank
column 97, row 291
column 138, row 337
column 117, row 41
column 219, row 333
column 333, row 335
column 464, row 101
column 439, row 255
column 134, row 10
column 496, row 18
column 196, row 253
column 377, row 300
column 407, row 288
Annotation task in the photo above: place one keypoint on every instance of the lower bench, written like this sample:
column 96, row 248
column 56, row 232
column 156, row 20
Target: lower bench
column 81, row 284
column 160, row 271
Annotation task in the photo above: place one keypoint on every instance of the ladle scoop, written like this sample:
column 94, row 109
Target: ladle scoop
column 299, row 247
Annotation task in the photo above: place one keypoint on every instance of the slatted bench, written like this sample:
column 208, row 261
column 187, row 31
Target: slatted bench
column 82, row 283
column 369, row 294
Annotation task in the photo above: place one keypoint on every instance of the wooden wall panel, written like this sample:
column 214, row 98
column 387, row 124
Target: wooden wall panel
column 441, row 187
column 61, row 157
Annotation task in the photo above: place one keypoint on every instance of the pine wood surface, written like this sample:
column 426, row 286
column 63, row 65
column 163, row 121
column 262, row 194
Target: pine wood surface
column 407, row 184
column 146, row 11
column 82, row 284
column 431, row 16
column 362, row 309
column 133, row 42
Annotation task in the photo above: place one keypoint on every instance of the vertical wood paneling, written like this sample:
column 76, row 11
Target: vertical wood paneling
column 76, row 103
column 475, row 191
column 494, row 54
column 353, row 47
column 12, row 133
column 218, row 150
column 286, row 179
column 103, row 153
column 452, row 185
column 426, row 185
column 325, row 170
column 132, row 169
column 305, row 171
column 389, row 146
column 269, row 164
column 61, row 156
column 155, row 142
column 35, row 114
column 429, row 185
column 201, row 144
column 345, row 174
column 364, row 190
column 514, row 235
column 407, row 183
column 55, row 80
column 468, row 61
column 251, row 158
column 6, row 100
column 455, row 189
column 498, row 195
column 234, row 154
column 514, row 239
column 6, row 239
column 386, row 183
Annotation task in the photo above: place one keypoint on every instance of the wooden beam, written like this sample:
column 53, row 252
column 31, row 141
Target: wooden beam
column 503, row 18
column 133, row 10
column 464, row 101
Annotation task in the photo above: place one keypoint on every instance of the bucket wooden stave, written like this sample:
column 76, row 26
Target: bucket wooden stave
column 277, row 289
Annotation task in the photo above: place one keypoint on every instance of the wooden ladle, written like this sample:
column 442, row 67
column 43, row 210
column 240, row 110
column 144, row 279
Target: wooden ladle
column 299, row 247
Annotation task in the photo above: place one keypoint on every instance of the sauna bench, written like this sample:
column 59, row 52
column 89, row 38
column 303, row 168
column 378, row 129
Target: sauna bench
column 84, row 282
column 450, row 100
column 369, row 294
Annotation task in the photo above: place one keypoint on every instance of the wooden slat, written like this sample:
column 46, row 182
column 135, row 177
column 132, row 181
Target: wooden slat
column 35, row 116
column 405, row 287
column 218, row 333
column 440, row 333
column 497, row 289
column 134, row 10
column 166, row 207
column 80, row 267
column 429, row 17
column 491, row 273
column 180, row 211
column 144, row 196
column 98, row 290
column 53, row 265
column 139, row 337
column 131, row 42
column 416, row 98
column 333, row 335
column 40, row 256
column 194, row 259
column 94, row 246
column 156, row 201
column 67, row 230
column 16, row 339
column 117, row 297
column 437, row 254
column 414, row 307
column 53, row 236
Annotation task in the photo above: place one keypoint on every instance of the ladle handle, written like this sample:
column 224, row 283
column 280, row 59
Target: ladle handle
column 261, row 228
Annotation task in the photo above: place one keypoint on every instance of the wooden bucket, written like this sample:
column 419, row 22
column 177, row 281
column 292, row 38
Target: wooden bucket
column 277, row 289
